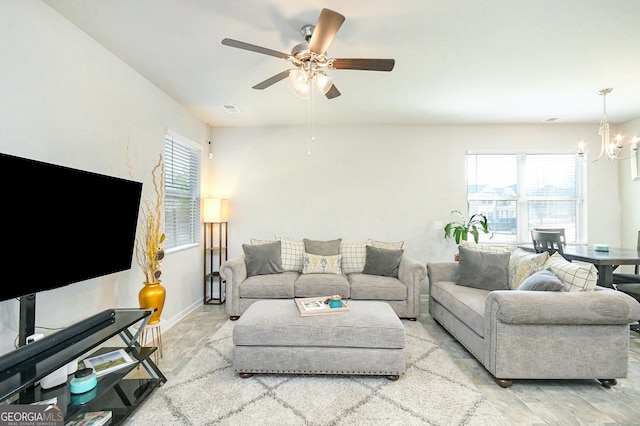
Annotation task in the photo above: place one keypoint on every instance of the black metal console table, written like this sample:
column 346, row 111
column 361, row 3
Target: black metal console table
column 22, row 369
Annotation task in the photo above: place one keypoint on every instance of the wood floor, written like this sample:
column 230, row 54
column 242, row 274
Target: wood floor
column 526, row 402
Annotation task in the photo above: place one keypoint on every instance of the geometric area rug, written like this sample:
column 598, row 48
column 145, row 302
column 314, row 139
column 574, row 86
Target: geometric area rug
column 432, row 391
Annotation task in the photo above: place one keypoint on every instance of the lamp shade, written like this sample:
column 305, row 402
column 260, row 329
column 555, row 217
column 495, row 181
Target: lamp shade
column 216, row 210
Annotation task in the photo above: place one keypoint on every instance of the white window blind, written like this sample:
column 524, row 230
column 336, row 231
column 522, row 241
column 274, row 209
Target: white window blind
column 518, row 192
column 182, row 192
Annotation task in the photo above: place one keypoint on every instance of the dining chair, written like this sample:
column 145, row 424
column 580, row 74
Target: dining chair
column 560, row 230
column 629, row 278
column 630, row 284
column 549, row 241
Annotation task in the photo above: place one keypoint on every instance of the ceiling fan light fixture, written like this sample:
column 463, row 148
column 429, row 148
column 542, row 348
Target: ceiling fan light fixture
column 299, row 82
column 323, row 82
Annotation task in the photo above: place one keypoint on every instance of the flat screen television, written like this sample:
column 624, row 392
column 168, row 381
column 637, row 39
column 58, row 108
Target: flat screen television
column 63, row 225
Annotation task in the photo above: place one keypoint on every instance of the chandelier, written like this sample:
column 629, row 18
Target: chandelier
column 612, row 149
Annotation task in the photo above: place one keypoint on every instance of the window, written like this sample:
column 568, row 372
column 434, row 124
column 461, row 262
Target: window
column 182, row 191
column 518, row 192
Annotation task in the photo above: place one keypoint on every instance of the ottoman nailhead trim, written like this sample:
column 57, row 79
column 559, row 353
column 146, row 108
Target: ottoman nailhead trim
column 257, row 371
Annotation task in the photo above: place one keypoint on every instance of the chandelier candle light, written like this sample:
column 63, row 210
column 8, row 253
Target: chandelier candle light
column 613, row 149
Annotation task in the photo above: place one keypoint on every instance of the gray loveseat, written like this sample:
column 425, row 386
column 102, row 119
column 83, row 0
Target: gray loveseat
column 356, row 271
column 536, row 334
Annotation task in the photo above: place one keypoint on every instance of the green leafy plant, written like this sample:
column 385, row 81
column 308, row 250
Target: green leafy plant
column 460, row 228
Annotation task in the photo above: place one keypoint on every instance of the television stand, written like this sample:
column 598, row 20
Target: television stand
column 117, row 391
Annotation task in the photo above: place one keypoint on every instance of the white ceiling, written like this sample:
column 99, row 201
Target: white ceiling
column 462, row 61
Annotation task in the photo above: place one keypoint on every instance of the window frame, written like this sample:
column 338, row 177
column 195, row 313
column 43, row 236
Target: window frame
column 522, row 200
column 194, row 150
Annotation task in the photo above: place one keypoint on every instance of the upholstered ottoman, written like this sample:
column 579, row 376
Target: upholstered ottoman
column 272, row 337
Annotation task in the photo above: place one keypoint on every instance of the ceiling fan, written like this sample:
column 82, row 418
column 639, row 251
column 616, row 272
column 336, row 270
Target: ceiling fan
column 310, row 58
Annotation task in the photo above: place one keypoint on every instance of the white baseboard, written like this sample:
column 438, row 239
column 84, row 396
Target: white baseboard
column 180, row 315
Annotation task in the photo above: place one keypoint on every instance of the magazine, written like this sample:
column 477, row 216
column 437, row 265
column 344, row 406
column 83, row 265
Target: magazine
column 92, row 418
column 106, row 363
column 309, row 306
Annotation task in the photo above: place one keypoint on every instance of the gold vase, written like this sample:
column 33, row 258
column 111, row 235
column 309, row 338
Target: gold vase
column 152, row 296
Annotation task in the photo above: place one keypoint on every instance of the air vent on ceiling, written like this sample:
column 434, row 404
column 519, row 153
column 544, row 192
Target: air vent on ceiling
column 231, row 109
column 549, row 120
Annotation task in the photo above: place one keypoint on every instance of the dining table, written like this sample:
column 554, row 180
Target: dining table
column 605, row 261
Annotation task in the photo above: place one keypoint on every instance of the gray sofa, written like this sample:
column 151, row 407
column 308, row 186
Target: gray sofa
column 535, row 334
column 401, row 290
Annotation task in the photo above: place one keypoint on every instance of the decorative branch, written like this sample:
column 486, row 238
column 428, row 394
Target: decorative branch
column 149, row 249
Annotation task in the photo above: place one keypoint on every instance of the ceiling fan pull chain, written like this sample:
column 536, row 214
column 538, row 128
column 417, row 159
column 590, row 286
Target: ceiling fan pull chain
column 311, row 97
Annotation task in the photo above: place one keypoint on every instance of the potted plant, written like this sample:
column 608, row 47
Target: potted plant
column 460, row 228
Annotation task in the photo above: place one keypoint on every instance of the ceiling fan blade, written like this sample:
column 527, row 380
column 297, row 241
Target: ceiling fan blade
column 272, row 80
column 254, row 48
column 363, row 64
column 328, row 25
column 332, row 93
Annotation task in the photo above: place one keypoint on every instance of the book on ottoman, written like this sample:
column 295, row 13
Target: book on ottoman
column 309, row 306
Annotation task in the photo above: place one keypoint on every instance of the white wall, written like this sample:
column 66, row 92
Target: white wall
column 383, row 182
column 66, row 100
column 630, row 196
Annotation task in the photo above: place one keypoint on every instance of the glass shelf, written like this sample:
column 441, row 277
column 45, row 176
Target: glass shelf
column 120, row 391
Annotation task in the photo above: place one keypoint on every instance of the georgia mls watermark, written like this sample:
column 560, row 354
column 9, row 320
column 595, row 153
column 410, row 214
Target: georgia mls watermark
column 31, row 415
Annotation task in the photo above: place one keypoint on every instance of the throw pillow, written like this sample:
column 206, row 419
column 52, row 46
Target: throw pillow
column 485, row 270
column 262, row 259
column 522, row 264
column 324, row 248
column 318, row 264
column 484, row 247
column 354, row 256
column 291, row 252
column 380, row 261
column 574, row 276
column 389, row 246
column 542, row 281
column 256, row 242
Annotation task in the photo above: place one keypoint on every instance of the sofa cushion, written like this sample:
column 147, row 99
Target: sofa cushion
column 485, row 270
column 376, row 287
column 522, row 264
column 574, row 276
column 317, row 264
column 324, row 248
column 382, row 261
column 354, row 256
column 542, row 281
column 276, row 286
column 291, row 252
column 465, row 303
column 381, row 244
column 263, row 259
column 314, row 285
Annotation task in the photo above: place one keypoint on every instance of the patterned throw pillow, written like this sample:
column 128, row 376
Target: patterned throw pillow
column 255, row 242
column 291, row 253
column 354, row 256
column 381, row 244
column 574, row 276
column 485, row 248
column 318, row 264
column 522, row 264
